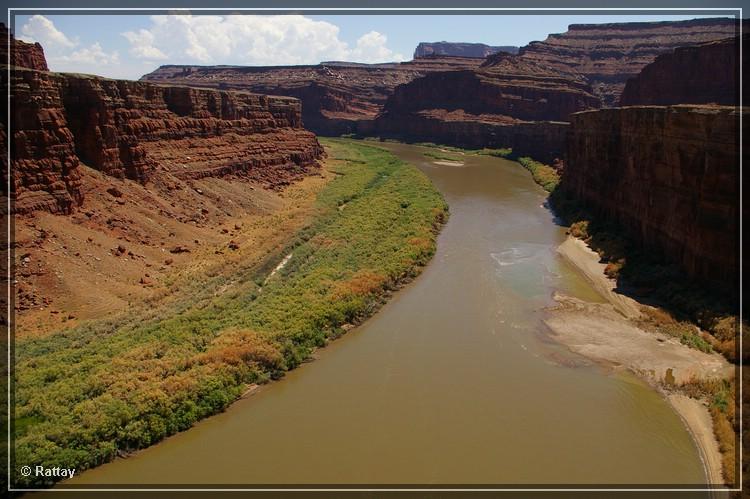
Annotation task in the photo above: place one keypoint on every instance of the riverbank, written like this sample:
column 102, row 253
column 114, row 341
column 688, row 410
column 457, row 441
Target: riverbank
column 109, row 387
column 609, row 333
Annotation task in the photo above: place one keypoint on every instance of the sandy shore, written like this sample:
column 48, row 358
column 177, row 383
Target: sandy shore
column 605, row 332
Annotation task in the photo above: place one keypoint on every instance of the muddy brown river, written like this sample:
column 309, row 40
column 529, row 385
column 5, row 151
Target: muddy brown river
column 454, row 381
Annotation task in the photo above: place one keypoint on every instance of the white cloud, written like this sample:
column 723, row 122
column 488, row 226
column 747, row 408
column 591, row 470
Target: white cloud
column 371, row 47
column 65, row 54
column 40, row 29
column 142, row 45
column 252, row 40
column 93, row 54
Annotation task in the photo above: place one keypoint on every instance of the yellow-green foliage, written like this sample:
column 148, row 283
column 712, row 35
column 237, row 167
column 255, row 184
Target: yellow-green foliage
column 544, row 175
column 440, row 155
column 84, row 394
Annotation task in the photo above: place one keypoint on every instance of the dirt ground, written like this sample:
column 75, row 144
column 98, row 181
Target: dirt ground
column 130, row 242
column 608, row 333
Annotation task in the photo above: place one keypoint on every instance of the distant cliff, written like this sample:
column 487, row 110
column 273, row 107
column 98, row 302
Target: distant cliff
column 609, row 54
column 701, row 74
column 336, row 96
column 668, row 175
column 507, row 102
column 480, row 50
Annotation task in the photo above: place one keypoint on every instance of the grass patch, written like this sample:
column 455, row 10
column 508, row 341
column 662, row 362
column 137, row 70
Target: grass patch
column 544, row 175
column 82, row 395
column 442, row 156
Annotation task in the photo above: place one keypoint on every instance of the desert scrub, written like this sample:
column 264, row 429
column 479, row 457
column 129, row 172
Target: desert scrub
column 720, row 395
column 85, row 394
column 544, row 175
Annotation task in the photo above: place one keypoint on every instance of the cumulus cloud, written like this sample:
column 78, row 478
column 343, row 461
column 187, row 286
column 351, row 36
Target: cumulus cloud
column 66, row 54
column 40, row 29
column 252, row 40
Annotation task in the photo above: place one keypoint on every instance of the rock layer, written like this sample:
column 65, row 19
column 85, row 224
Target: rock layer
column 609, row 54
column 507, row 102
column 138, row 130
column 335, row 96
column 668, row 175
column 22, row 54
column 480, row 50
column 701, row 74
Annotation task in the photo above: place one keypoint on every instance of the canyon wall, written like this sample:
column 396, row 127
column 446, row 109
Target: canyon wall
column 608, row 54
column 138, row 131
column 336, row 96
column 668, row 175
column 460, row 49
column 700, row 74
column 507, row 102
column 26, row 55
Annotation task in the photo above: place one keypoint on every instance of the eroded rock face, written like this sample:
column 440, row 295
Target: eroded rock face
column 336, row 96
column 668, row 175
column 701, row 74
column 22, row 54
column 460, row 49
column 507, row 102
column 609, row 54
column 137, row 130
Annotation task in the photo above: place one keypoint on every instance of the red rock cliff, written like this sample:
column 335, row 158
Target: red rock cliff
column 136, row 130
column 507, row 102
column 609, row 54
column 26, row 55
column 668, row 175
column 336, row 96
column 701, row 74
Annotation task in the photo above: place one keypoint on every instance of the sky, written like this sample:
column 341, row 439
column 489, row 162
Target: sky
column 129, row 46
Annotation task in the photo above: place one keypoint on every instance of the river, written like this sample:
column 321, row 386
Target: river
column 454, row 381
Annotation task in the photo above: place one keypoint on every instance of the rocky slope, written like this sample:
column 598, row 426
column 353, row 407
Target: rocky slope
column 701, row 74
column 609, row 54
column 139, row 130
column 27, row 55
column 480, row 50
column 668, row 175
column 335, row 96
column 507, row 102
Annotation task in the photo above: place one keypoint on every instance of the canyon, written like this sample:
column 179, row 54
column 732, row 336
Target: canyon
column 125, row 191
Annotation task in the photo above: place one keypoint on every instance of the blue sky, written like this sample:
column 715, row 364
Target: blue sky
column 128, row 46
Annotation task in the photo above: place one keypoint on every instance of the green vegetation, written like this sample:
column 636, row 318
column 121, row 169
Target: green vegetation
column 544, row 175
column 721, row 397
column 83, row 395
column 441, row 156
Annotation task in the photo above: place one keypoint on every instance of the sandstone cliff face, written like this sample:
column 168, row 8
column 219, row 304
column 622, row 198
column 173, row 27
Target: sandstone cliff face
column 668, row 175
column 26, row 55
column 609, row 54
column 480, row 50
column 138, row 131
column 701, row 74
column 507, row 102
column 335, row 96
